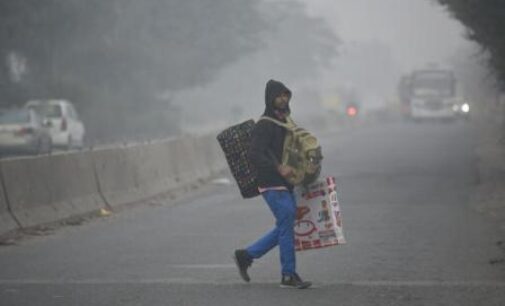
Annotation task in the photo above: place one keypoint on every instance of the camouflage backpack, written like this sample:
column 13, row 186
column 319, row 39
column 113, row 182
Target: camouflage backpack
column 301, row 151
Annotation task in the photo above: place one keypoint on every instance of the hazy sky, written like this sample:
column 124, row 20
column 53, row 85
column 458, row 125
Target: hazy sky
column 418, row 31
column 381, row 39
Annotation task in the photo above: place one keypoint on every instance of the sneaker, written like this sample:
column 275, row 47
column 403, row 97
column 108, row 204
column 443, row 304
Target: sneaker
column 294, row 281
column 243, row 262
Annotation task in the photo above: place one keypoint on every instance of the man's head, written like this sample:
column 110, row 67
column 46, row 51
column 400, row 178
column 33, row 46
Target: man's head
column 281, row 105
column 277, row 97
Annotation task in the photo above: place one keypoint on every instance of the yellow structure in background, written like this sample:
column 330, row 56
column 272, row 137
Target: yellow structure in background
column 333, row 103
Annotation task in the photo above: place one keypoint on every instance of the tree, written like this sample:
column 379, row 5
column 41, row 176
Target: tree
column 485, row 22
column 121, row 60
column 121, row 54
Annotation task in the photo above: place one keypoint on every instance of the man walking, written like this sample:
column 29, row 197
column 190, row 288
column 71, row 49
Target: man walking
column 265, row 155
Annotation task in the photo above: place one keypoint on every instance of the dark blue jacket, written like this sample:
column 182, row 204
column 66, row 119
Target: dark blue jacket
column 265, row 153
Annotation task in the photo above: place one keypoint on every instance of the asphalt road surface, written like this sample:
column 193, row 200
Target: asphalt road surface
column 412, row 238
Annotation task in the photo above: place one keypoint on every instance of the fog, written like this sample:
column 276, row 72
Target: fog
column 417, row 31
column 160, row 68
column 125, row 214
column 378, row 41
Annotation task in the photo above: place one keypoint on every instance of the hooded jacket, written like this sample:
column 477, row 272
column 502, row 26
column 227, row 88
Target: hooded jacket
column 267, row 143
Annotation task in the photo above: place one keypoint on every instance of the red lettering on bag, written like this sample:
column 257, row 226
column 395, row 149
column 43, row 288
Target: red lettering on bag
column 314, row 194
column 304, row 228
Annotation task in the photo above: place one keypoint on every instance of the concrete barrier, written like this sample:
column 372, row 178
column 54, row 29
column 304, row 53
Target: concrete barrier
column 50, row 188
column 134, row 173
column 7, row 222
column 199, row 160
column 213, row 154
column 138, row 172
column 183, row 153
column 217, row 159
column 117, row 174
column 156, row 172
column 199, row 157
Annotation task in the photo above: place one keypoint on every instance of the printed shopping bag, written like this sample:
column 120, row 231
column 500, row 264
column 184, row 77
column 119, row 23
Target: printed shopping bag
column 319, row 219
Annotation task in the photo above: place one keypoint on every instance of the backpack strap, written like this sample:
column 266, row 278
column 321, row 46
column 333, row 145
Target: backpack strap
column 289, row 125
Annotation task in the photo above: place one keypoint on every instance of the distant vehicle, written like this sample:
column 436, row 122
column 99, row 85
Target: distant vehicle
column 352, row 110
column 431, row 94
column 66, row 129
column 404, row 95
column 462, row 109
column 22, row 131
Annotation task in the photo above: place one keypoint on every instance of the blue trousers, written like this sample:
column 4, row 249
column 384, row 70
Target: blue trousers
column 283, row 206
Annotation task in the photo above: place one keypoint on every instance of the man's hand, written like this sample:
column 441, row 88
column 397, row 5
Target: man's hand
column 285, row 170
column 301, row 211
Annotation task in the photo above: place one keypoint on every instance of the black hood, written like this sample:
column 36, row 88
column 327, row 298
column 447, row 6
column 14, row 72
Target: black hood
column 273, row 90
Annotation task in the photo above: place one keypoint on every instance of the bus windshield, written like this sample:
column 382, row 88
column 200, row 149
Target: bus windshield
column 433, row 83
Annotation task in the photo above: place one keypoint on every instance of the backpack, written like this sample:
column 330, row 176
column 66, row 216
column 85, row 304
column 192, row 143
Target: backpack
column 235, row 142
column 301, row 151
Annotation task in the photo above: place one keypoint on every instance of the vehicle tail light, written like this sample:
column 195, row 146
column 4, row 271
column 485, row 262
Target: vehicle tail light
column 24, row 131
column 63, row 124
column 352, row 111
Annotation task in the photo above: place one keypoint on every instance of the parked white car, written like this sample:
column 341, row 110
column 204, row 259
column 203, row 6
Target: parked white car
column 22, row 131
column 66, row 129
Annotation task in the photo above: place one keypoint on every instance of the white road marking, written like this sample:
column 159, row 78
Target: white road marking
column 201, row 266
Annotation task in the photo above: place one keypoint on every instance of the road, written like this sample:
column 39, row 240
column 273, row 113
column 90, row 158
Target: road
column 412, row 238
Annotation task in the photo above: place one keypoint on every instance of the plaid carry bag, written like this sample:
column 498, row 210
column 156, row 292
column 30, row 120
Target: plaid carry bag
column 235, row 142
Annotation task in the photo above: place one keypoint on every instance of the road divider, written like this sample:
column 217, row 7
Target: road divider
column 50, row 188
column 134, row 173
column 45, row 189
column 7, row 221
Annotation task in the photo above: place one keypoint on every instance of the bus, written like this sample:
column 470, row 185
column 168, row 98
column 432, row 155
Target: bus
column 430, row 94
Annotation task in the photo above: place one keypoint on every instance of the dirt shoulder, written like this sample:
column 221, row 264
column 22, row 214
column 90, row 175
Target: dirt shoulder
column 489, row 197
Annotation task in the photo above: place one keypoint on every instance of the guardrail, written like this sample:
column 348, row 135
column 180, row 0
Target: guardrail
column 40, row 190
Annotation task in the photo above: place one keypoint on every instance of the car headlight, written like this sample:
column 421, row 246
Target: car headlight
column 455, row 107
column 465, row 108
